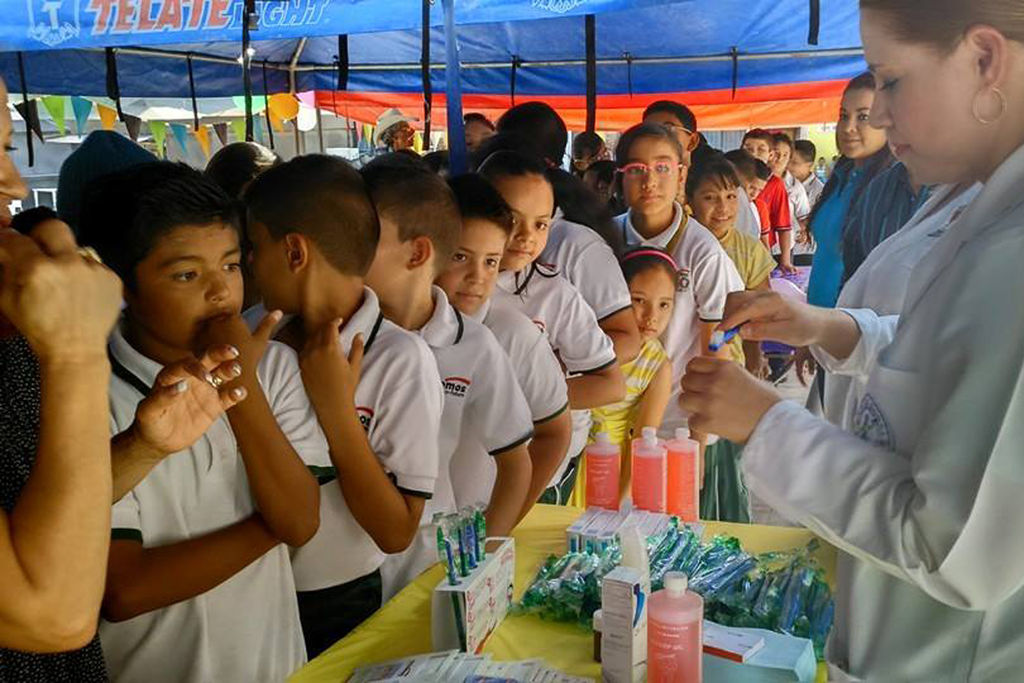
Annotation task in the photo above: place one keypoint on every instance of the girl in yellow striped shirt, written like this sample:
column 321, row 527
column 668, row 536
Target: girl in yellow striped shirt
column 651, row 275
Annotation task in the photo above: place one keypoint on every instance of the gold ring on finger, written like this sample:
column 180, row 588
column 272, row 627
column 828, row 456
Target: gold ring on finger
column 89, row 254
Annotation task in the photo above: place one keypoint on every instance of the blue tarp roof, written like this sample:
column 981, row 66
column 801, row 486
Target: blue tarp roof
column 670, row 46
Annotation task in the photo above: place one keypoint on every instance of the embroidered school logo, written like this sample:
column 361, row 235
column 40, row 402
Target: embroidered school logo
column 682, row 279
column 456, row 387
column 53, row 22
column 870, row 425
column 365, row 416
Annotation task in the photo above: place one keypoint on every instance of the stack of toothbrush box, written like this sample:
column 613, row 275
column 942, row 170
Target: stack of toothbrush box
column 597, row 528
column 459, row 667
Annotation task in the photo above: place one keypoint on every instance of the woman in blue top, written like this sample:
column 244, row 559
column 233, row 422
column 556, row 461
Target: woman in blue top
column 864, row 154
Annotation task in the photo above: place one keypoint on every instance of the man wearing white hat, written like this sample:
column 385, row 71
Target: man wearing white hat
column 393, row 132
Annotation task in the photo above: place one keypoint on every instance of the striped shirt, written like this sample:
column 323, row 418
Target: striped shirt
column 884, row 207
column 617, row 419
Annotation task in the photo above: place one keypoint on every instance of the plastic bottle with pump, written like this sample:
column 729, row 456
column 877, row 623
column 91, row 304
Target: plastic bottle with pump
column 675, row 642
column 683, row 477
column 602, row 463
column 649, row 472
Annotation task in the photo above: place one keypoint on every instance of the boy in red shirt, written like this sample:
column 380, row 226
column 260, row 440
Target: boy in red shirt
column 760, row 144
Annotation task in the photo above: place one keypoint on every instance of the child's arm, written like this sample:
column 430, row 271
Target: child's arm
column 786, row 249
column 141, row 579
column 651, row 408
column 752, row 349
column 389, row 516
column 622, row 330
column 510, row 489
column 597, row 388
column 285, row 492
column 547, row 449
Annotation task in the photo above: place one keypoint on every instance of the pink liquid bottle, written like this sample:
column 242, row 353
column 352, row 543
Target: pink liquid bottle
column 649, row 472
column 602, row 461
column 683, row 474
column 675, row 639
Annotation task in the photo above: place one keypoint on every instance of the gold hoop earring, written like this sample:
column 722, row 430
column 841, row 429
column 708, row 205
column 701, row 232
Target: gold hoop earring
column 1002, row 108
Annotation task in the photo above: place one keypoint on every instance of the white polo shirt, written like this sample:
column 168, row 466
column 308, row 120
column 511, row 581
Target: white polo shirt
column 799, row 201
column 706, row 276
column 483, row 404
column 539, row 376
column 748, row 221
column 399, row 402
column 247, row 628
column 570, row 325
column 583, row 257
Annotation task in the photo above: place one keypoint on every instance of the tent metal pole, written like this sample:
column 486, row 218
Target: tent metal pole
column 246, row 62
column 520, row 63
column 320, row 130
column 590, row 30
column 428, row 88
column 296, row 56
column 453, row 93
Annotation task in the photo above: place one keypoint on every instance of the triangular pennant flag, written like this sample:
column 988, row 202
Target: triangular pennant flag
column 417, row 142
column 180, row 132
column 108, row 116
column 258, row 125
column 54, row 105
column 134, row 125
column 221, row 129
column 368, row 135
column 158, row 129
column 202, row 134
column 29, row 112
column 82, row 108
column 275, row 120
column 238, row 127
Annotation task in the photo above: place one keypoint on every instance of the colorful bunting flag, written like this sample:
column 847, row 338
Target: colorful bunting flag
column 221, row 129
column 108, row 116
column 29, row 113
column 158, row 129
column 238, row 127
column 134, row 125
column 83, row 109
column 180, row 132
column 203, row 138
column 54, row 105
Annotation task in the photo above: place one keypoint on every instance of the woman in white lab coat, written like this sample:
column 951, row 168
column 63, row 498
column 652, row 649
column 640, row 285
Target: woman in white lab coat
column 925, row 492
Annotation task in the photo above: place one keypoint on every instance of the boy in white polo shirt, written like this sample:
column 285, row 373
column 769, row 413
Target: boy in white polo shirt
column 314, row 233
column 483, row 403
column 649, row 161
column 469, row 282
column 199, row 586
column 552, row 303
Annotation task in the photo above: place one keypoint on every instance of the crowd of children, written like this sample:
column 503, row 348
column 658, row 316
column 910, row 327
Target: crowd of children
column 407, row 344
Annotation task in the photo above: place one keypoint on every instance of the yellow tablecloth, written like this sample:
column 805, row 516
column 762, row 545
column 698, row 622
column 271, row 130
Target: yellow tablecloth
column 402, row 626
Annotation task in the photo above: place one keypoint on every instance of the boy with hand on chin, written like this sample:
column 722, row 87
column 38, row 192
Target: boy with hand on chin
column 483, row 403
column 469, row 281
column 374, row 386
column 198, row 585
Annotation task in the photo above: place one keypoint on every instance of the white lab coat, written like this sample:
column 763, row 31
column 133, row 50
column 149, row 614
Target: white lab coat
column 927, row 495
column 881, row 284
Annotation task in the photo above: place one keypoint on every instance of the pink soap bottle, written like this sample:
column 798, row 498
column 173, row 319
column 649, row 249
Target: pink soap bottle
column 649, row 472
column 675, row 639
column 602, row 461
column 683, row 474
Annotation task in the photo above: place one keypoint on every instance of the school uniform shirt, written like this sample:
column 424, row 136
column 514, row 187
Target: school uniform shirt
column 813, row 186
column 583, row 257
column 799, row 202
column 748, row 220
column 20, row 397
column 923, row 498
column 776, row 199
column 483, row 404
column 399, row 402
column 754, row 265
column 539, row 376
column 706, row 276
column 247, row 628
column 558, row 309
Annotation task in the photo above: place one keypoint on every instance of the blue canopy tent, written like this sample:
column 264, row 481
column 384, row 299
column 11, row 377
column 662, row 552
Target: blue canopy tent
column 597, row 61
